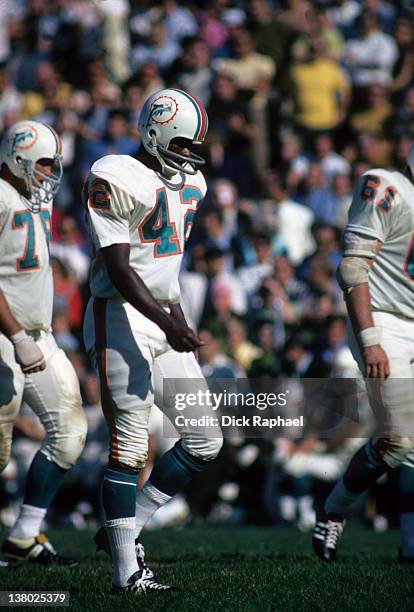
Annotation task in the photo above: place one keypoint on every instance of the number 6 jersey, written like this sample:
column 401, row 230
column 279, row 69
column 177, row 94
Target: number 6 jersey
column 25, row 272
column 383, row 208
column 127, row 202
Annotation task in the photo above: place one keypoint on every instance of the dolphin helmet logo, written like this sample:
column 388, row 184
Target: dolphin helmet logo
column 162, row 111
column 24, row 139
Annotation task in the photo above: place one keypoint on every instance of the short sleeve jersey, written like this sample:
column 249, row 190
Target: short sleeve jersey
column 383, row 208
column 129, row 203
column 25, row 273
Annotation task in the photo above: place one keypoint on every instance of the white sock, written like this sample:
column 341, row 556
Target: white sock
column 121, row 535
column 340, row 499
column 149, row 499
column 407, row 534
column 28, row 522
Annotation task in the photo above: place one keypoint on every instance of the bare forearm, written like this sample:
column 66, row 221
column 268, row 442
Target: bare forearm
column 8, row 324
column 358, row 302
column 177, row 313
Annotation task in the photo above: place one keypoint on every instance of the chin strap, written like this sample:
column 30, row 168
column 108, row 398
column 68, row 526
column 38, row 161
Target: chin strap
column 165, row 170
column 172, row 163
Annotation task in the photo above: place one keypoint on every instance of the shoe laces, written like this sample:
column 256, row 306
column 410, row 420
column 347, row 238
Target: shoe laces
column 144, row 582
column 333, row 533
column 140, row 552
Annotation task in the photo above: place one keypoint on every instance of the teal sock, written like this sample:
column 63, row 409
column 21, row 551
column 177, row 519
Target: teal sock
column 339, row 500
column 405, row 475
column 175, row 470
column 119, row 491
column 43, row 481
column 365, row 467
column 363, row 470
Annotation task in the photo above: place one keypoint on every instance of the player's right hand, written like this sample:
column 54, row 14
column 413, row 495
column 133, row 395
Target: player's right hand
column 376, row 362
column 182, row 338
column 28, row 355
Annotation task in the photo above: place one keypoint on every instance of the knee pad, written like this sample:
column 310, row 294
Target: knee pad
column 206, row 448
column 65, row 441
column 392, row 451
column 128, row 455
column 6, row 430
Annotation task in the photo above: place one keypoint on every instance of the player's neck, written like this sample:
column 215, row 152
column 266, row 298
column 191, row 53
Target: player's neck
column 148, row 160
column 14, row 181
column 407, row 173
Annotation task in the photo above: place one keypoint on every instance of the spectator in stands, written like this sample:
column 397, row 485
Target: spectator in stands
column 320, row 92
column 115, row 141
column 253, row 74
column 10, row 100
column 160, row 48
column 231, row 135
column 331, row 162
column 319, row 196
column 370, row 57
column 193, row 72
column 290, row 221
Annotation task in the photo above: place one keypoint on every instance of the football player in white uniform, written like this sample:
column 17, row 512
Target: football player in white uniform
column 32, row 368
column 140, row 212
column 377, row 276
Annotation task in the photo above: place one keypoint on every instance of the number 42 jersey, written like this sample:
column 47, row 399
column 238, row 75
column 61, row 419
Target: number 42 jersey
column 127, row 202
column 383, row 208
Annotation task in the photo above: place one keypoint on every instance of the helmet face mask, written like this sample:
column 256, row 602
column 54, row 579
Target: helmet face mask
column 173, row 114
column 26, row 146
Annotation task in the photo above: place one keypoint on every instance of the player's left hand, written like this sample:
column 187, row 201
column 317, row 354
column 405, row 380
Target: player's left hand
column 27, row 353
column 376, row 362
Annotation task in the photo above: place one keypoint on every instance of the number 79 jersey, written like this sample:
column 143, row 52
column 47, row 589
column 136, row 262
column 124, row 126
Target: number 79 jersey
column 127, row 202
column 25, row 272
column 383, row 208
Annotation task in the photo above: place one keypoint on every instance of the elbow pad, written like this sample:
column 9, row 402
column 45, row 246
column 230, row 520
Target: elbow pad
column 352, row 271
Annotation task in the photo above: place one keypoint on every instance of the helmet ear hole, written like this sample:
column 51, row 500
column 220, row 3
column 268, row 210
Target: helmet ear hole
column 152, row 133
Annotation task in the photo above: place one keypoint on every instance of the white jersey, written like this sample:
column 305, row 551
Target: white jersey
column 25, row 273
column 129, row 203
column 383, row 208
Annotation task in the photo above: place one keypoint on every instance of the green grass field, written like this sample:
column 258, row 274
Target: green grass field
column 233, row 569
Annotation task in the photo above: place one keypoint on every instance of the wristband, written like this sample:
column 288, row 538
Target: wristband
column 369, row 336
column 18, row 337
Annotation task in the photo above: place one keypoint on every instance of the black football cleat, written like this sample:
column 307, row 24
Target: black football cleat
column 41, row 552
column 325, row 537
column 102, row 543
column 139, row 582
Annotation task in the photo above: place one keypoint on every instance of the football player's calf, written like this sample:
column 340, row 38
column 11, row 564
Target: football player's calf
column 366, row 466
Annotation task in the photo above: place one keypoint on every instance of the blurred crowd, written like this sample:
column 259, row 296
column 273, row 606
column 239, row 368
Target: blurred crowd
column 302, row 97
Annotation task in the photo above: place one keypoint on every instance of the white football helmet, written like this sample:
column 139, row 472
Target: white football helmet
column 22, row 146
column 172, row 113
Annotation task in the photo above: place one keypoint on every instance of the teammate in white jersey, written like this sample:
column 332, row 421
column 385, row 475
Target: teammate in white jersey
column 377, row 276
column 140, row 212
column 32, row 368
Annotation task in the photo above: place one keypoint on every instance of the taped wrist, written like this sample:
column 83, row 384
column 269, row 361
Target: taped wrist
column 369, row 336
column 18, row 337
column 352, row 271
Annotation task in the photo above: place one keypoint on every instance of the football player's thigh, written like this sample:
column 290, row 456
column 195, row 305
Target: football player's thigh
column 54, row 395
column 392, row 401
column 125, row 368
column 11, row 382
column 11, row 392
column 179, row 373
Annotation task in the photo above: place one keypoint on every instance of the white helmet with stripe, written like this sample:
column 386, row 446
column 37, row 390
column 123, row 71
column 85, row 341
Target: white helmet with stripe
column 26, row 143
column 168, row 114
